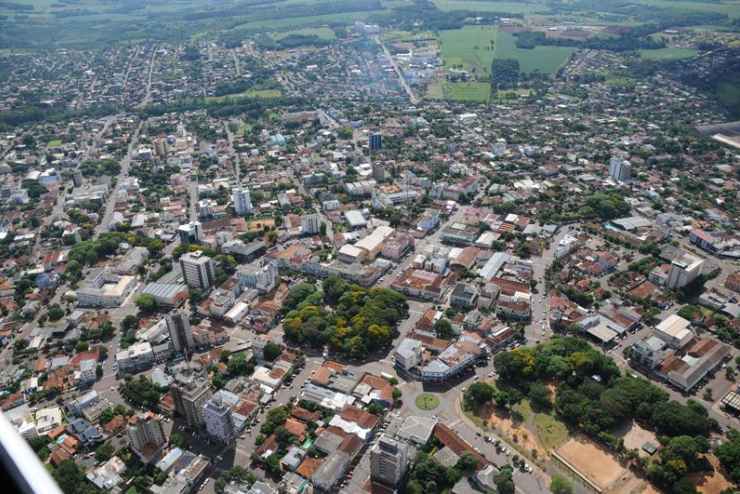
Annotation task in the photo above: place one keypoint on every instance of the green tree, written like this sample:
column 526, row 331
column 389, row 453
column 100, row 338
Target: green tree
column 443, row 329
column 272, row 351
column 104, row 452
column 560, row 485
column 504, row 480
column 146, row 303
column 479, row 394
column 728, row 454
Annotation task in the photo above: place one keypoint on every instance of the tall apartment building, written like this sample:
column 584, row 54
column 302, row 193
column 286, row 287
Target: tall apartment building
column 311, row 224
column 190, row 233
column 218, row 420
column 190, row 391
column 684, row 270
column 198, row 270
column 375, row 141
column 242, row 201
column 619, row 169
column 388, row 461
column 263, row 278
column 146, row 436
column 181, row 334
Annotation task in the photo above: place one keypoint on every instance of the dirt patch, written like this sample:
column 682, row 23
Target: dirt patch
column 508, row 429
column 711, row 484
column 593, row 463
column 635, row 436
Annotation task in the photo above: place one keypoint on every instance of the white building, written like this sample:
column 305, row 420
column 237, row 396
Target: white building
column 198, row 270
column 135, row 358
column 674, row 330
column 408, row 353
column 218, row 419
column 684, row 270
column 242, row 201
column 190, row 232
column 388, row 461
column 105, row 289
column 263, row 278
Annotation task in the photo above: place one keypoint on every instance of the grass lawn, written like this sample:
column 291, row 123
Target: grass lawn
column 668, row 53
column 54, row 143
column 474, row 92
column 426, row 401
column 551, row 432
column 545, row 59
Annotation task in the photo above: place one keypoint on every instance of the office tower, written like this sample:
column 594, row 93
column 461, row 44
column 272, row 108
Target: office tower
column 190, row 390
column 218, row 419
column 376, row 142
column 190, row 233
column 242, row 201
column 160, row 147
column 181, row 335
column 619, row 169
column 388, row 461
column 146, row 436
column 378, row 171
column 311, row 224
column 198, row 270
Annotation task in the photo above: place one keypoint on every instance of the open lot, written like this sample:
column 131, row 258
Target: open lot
column 470, row 48
column 592, row 463
column 636, row 436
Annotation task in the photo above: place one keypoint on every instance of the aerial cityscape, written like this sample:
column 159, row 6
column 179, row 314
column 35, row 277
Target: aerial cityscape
column 371, row 246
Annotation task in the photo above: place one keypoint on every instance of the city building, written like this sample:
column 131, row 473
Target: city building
column 135, row 358
column 263, row 278
column 375, row 141
column 181, row 334
column 218, row 419
column 190, row 391
column 190, row 233
column 198, row 270
column 311, row 224
column 146, row 436
column 619, row 169
column 684, row 269
column 242, row 201
column 388, row 461
column 103, row 288
column 674, row 330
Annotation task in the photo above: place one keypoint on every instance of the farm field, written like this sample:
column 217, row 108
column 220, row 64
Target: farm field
column 668, row 53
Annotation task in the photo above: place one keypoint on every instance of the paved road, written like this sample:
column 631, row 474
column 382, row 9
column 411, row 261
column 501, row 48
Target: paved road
column 110, row 204
column 399, row 73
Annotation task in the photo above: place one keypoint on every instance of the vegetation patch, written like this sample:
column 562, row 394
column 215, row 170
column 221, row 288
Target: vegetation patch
column 668, row 54
column 426, row 401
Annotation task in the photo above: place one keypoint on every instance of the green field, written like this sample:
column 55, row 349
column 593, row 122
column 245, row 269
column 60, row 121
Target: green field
column 668, row 54
column 426, row 401
column 252, row 93
column 545, row 59
column 473, row 92
column 487, row 6
column 321, row 32
column 468, row 48
column 54, row 143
